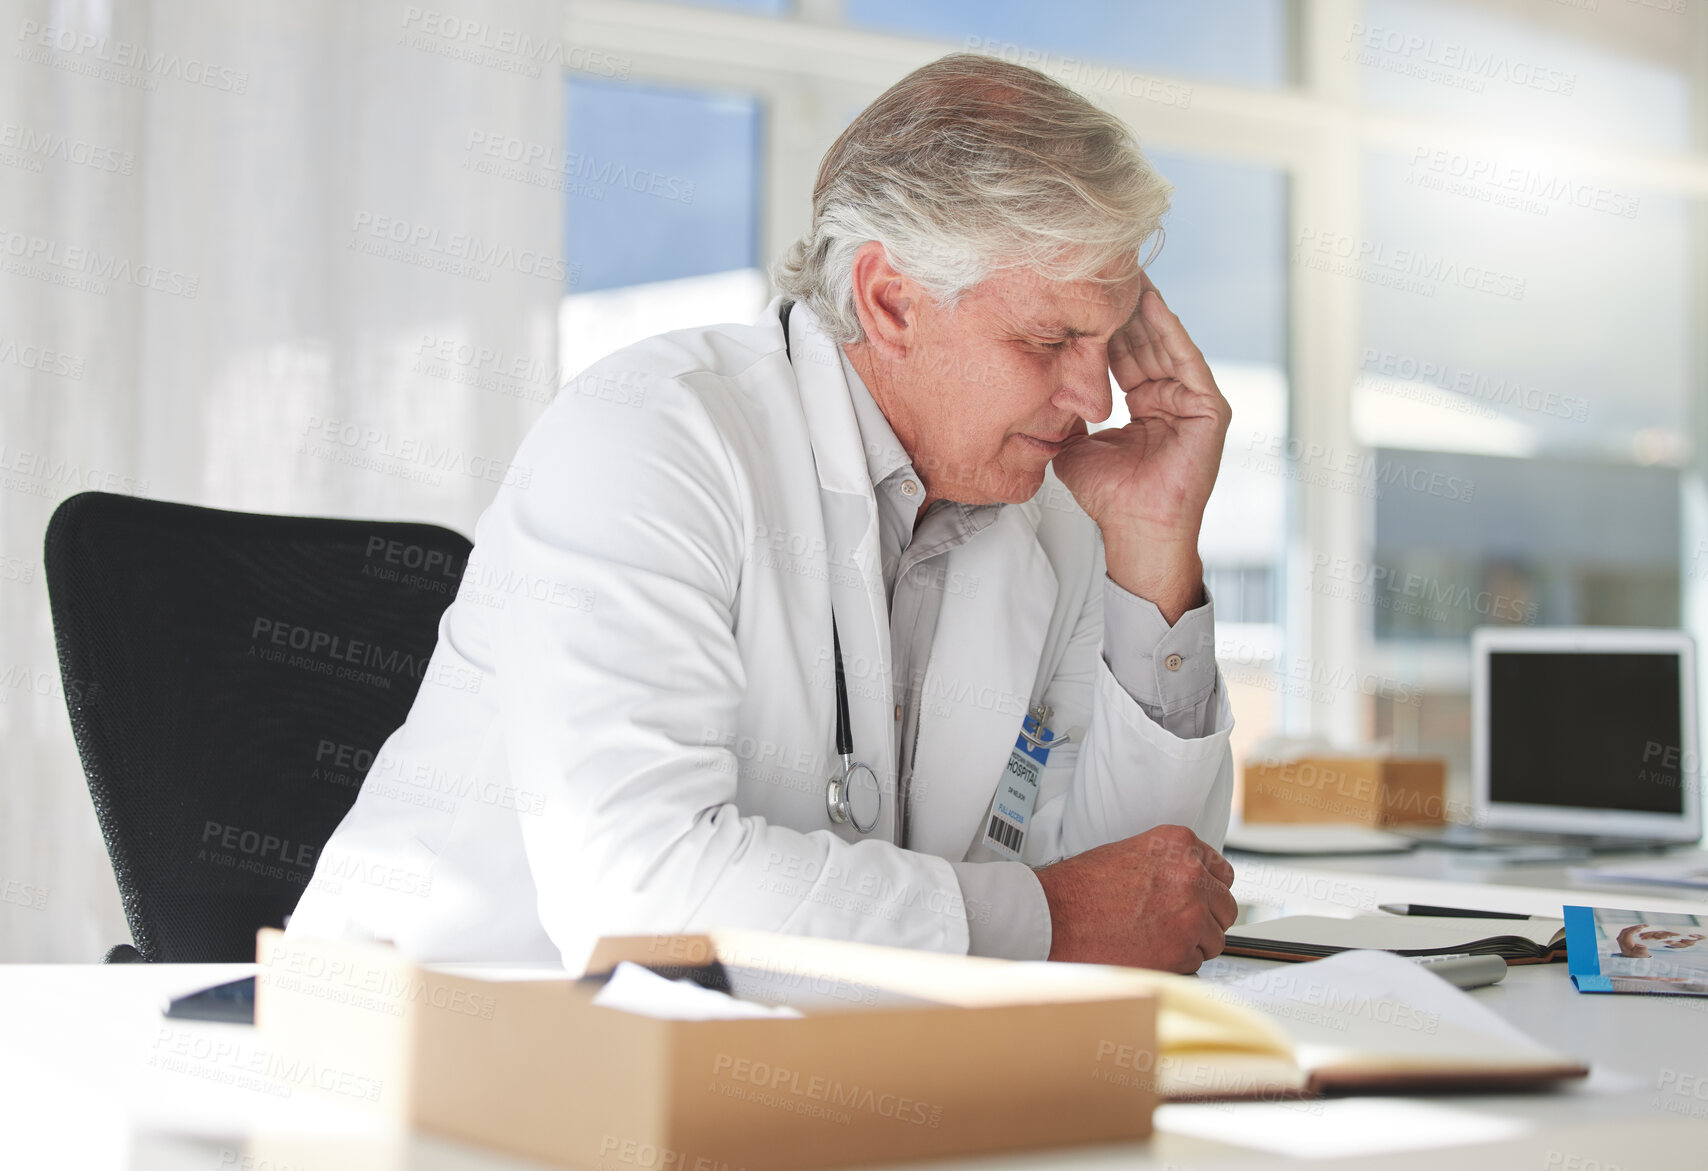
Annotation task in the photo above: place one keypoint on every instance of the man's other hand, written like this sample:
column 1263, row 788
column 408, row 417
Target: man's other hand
column 1160, row 899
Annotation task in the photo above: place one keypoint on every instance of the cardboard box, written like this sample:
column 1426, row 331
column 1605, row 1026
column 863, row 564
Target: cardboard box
column 1366, row 789
column 900, row 1054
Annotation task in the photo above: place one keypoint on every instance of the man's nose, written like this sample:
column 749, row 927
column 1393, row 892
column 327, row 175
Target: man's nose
column 1085, row 385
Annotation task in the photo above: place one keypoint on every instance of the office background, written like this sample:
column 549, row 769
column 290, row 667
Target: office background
column 1446, row 257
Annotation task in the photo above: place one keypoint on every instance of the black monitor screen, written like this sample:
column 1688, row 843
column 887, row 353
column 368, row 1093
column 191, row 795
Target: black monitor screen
column 1594, row 731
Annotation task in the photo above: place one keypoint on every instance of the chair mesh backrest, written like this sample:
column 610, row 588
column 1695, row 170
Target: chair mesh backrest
column 229, row 677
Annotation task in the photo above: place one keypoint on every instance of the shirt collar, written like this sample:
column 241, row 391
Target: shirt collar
column 885, row 455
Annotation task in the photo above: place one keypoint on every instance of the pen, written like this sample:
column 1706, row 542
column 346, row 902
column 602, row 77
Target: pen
column 1451, row 912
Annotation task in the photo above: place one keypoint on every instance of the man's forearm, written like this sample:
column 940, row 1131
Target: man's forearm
column 1169, row 576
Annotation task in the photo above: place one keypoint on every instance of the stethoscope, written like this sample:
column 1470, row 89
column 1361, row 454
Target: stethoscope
column 838, row 792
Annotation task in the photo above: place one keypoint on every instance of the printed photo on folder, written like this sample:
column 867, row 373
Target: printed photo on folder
column 1655, row 953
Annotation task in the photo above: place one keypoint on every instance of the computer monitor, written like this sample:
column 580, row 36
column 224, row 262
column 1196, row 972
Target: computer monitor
column 1586, row 730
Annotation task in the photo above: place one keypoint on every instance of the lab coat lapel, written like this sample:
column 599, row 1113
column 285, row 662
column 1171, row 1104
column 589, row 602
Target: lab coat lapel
column 856, row 582
column 1000, row 594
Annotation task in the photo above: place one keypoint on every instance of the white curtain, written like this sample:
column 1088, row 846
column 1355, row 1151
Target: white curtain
column 256, row 256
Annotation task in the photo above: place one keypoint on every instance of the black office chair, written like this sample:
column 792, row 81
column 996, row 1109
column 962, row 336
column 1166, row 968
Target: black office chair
column 229, row 678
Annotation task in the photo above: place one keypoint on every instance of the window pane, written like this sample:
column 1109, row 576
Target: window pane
column 1527, row 323
column 1223, row 270
column 1223, row 263
column 1538, row 542
column 1613, row 72
column 1243, row 42
column 1517, row 307
column 659, row 183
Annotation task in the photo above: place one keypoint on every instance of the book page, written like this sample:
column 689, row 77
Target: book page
column 1375, row 1012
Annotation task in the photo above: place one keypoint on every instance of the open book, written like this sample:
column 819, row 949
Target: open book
column 1307, row 937
column 1360, row 1022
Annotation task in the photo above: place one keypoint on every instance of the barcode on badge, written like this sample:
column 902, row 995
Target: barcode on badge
column 1006, row 833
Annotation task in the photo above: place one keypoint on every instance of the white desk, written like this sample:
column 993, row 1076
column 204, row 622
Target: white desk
column 1350, row 884
column 93, row 1078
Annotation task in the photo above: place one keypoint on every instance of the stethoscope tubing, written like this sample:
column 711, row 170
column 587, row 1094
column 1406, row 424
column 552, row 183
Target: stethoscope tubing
column 837, row 801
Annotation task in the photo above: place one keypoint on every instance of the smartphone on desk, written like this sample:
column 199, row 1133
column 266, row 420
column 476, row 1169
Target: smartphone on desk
column 232, row 1003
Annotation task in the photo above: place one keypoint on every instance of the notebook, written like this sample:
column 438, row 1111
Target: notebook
column 1358, row 1022
column 1308, row 937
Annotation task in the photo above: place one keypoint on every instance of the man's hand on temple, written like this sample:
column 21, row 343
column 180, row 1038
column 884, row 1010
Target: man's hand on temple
column 1159, row 899
column 1146, row 483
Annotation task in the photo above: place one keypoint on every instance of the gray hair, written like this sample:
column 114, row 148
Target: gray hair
column 967, row 166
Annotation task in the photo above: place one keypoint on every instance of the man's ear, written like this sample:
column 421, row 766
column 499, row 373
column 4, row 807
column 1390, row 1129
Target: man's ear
column 887, row 302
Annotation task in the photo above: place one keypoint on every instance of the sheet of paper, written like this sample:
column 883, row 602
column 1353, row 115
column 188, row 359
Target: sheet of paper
column 633, row 988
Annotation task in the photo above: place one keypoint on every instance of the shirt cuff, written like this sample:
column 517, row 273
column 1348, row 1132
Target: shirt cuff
column 1165, row 669
column 1007, row 915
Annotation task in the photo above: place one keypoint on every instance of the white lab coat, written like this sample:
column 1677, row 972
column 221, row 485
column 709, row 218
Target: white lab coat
column 627, row 724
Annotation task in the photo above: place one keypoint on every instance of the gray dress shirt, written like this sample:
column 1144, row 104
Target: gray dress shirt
column 1007, row 915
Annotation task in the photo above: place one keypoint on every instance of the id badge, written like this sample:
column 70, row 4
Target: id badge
column 1017, row 792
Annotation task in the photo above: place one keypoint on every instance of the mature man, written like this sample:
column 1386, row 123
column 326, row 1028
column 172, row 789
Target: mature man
column 750, row 556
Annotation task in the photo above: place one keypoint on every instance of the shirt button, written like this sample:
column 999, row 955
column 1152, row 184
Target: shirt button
column 898, row 711
column 909, row 488
column 1173, row 662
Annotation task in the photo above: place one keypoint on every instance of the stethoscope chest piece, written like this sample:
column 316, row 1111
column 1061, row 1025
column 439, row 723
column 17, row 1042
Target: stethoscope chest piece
column 848, row 796
column 858, row 784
